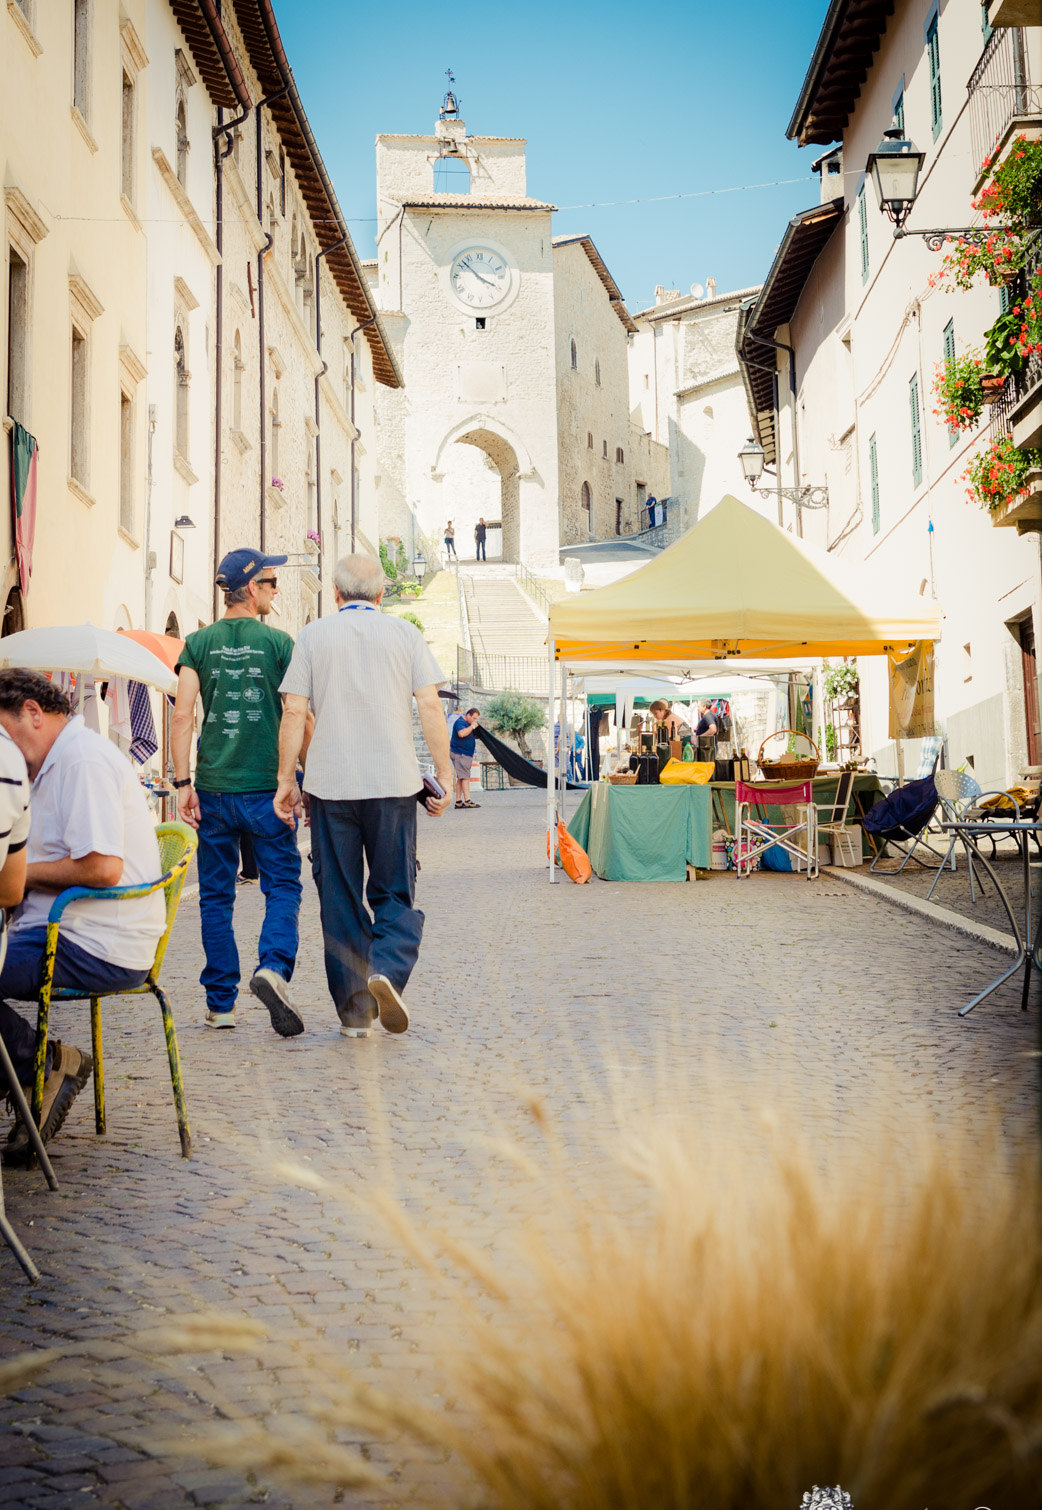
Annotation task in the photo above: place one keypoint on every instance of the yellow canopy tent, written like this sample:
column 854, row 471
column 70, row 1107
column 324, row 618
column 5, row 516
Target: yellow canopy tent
column 737, row 585
column 734, row 586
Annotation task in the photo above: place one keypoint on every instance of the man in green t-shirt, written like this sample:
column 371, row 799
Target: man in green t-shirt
column 236, row 666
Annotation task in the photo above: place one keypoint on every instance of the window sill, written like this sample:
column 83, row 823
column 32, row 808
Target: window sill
column 79, row 491
column 182, row 469
column 130, row 212
column 18, row 16
column 125, row 535
column 240, row 442
column 84, row 130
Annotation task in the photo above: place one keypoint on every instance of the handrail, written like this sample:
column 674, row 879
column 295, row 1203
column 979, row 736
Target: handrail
column 532, row 587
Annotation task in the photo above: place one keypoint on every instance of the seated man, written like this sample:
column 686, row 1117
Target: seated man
column 90, row 826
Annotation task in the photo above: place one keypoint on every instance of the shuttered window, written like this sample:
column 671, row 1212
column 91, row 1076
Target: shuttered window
column 862, row 220
column 899, row 112
column 933, row 51
column 917, row 438
column 949, row 356
column 873, row 477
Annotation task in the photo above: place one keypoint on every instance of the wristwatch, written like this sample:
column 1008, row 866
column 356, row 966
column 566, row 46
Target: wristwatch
column 177, row 785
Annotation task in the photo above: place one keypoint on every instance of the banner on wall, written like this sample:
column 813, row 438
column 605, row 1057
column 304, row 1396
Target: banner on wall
column 911, row 693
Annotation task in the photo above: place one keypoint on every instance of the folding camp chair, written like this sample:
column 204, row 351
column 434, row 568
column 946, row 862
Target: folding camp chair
column 754, row 835
column 902, row 819
column 177, row 845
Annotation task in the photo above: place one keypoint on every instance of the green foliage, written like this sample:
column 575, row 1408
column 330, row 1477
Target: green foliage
column 412, row 619
column 1017, row 333
column 401, row 561
column 830, row 742
column 1014, row 192
column 387, row 562
column 959, row 391
column 514, row 714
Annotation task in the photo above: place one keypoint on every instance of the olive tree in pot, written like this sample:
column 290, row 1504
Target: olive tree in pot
column 514, row 715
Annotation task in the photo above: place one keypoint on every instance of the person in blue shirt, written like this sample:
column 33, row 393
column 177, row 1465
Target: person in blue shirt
column 461, row 751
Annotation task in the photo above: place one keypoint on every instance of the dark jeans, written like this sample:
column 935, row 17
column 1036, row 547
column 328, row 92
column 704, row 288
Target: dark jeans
column 224, row 818
column 345, row 836
column 74, row 969
column 450, row 546
column 481, row 551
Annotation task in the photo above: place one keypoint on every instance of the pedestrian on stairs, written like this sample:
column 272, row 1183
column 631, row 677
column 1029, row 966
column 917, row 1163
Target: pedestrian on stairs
column 450, row 540
column 480, row 532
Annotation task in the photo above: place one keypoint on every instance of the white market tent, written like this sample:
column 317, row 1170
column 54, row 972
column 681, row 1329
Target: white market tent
column 734, row 588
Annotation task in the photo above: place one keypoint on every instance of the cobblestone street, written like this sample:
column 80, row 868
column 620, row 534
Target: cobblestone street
column 810, row 993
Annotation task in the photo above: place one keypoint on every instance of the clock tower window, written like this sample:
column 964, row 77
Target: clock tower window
column 451, row 175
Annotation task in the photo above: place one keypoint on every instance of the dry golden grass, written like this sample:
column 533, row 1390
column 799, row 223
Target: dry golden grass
column 681, row 1326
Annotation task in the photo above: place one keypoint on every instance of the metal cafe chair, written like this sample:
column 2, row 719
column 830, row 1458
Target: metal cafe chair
column 177, row 845
column 21, row 1110
column 755, row 835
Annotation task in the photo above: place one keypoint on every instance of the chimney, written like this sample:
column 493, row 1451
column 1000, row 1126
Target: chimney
column 710, row 288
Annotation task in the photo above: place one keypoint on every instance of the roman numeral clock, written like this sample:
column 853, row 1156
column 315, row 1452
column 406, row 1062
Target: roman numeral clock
column 481, row 279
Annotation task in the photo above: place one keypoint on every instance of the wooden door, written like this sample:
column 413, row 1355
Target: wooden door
column 1030, row 666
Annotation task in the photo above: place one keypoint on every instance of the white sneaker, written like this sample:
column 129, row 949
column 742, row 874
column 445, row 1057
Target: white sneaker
column 393, row 1014
column 346, row 1032
column 220, row 1019
column 272, row 990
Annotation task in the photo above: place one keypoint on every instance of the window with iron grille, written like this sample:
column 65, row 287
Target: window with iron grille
column 917, row 437
column 873, row 477
column 933, row 52
column 862, row 217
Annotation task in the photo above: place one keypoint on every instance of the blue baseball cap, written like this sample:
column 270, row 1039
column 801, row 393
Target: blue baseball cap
column 242, row 565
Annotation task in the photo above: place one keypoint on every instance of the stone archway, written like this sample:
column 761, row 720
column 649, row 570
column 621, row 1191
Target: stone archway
column 493, row 491
column 503, row 458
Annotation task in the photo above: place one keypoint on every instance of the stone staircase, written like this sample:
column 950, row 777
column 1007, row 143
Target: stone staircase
column 507, row 632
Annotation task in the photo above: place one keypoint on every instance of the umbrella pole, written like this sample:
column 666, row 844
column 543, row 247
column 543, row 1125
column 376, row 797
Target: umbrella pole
column 551, row 765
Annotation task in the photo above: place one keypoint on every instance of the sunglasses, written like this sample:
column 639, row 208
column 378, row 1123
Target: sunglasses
column 267, row 581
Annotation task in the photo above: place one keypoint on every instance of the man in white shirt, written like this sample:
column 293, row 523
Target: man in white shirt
column 90, row 826
column 359, row 670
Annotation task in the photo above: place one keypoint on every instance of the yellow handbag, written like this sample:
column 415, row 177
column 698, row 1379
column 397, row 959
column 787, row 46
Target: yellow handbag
column 687, row 773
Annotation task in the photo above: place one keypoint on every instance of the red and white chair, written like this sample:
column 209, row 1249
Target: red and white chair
column 754, row 835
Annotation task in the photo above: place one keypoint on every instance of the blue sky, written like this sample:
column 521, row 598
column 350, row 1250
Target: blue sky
column 617, row 103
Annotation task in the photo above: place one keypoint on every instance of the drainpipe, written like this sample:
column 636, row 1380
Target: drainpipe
column 354, row 495
column 318, row 424
column 220, row 153
column 268, row 241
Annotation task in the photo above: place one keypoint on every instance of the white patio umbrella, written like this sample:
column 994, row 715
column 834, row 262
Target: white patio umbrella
column 88, row 651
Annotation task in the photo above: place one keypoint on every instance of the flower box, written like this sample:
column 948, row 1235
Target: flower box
column 1024, row 514
column 993, row 386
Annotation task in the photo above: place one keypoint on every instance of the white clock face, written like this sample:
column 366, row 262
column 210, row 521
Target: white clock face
column 480, row 278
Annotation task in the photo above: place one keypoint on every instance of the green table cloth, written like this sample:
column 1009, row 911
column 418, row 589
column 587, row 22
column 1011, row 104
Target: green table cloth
column 644, row 833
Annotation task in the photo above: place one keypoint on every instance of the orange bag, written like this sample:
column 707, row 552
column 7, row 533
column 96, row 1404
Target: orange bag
column 571, row 856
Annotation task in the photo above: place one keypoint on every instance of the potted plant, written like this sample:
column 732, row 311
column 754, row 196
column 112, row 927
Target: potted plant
column 840, row 683
column 998, row 476
column 1014, row 192
column 513, row 714
column 959, row 388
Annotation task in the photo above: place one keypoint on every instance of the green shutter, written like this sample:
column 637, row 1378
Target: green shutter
column 1005, row 298
column 986, row 26
column 933, row 49
column 949, row 356
column 899, row 112
column 862, row 216
column 917, row 439
column 873, row 474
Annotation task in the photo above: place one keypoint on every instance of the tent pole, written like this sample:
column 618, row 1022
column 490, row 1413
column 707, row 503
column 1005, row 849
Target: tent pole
column 562, row 745
column 551, row 765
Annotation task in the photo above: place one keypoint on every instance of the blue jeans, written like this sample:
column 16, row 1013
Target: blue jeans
column 74, row 969
column 344, row 837
column 224, row 817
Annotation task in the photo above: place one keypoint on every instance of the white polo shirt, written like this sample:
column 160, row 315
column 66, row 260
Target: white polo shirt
column 14, row 798
column 87, row 800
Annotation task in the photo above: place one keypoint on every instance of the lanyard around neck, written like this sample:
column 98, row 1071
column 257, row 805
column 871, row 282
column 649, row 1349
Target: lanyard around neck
column 345, row 606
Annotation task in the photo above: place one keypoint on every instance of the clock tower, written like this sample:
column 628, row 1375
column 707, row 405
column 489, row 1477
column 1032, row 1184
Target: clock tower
column 465, row 284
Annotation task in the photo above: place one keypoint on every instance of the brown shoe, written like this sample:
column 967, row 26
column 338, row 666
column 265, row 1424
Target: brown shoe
column 70, row 1070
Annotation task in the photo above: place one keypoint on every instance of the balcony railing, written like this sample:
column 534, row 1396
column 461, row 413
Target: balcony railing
column 999, row 91
column 1030, row 375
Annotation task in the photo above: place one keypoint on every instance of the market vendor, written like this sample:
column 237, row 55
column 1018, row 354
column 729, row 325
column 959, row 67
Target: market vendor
column 705, row 732
column 676, row 728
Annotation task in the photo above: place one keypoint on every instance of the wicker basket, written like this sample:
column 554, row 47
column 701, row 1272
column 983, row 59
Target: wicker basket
column 790, row 766
column 623, row 778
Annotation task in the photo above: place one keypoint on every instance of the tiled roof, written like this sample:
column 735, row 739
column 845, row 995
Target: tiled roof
column 268, row 58
column 472, row 202
column 681, row 306
column 598, row 265
column 803, row 242
column 842, row 57
column 212, row 52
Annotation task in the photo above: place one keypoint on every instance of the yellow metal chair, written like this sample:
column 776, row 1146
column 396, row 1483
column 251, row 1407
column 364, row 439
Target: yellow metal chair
column 177, row 845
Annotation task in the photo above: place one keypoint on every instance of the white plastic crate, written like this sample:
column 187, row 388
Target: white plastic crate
column 846, row 846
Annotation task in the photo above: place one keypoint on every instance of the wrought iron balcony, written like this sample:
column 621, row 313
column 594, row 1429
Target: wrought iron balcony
column 1004, row 414
column 1000, row 93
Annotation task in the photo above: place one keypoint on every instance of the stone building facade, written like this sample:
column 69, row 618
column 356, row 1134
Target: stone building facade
column 483, row 306
column 607, row 467
column 686, row 389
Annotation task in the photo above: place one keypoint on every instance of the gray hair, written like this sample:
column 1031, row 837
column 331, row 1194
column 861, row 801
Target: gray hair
column 359, row 577
column 236, row 595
